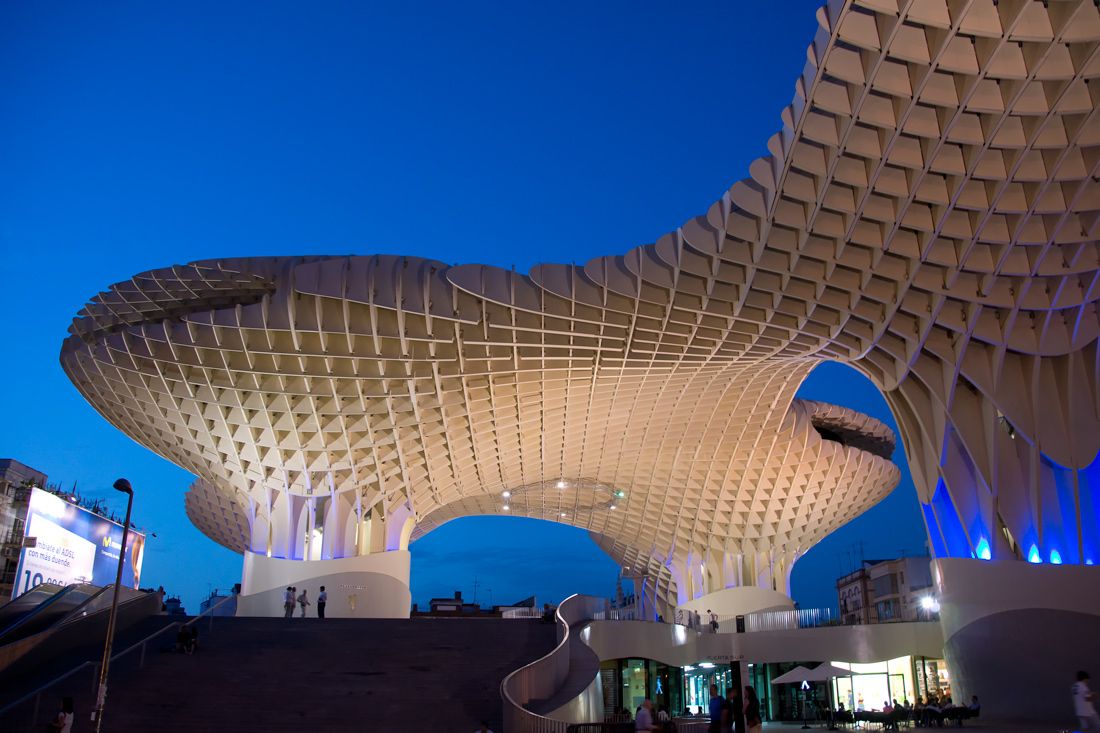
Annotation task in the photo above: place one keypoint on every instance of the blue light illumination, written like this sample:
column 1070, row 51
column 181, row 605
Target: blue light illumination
column 1055, row 557
column 954, row 536
column 1033, row 555
column 934, row 531
column 983, row 551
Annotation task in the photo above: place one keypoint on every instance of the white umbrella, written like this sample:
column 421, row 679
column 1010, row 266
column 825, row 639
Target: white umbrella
column 827, row 671
column 798, row 674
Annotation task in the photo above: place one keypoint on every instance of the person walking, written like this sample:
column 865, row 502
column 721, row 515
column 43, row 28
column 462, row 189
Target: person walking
column 303, row 601
column 644, row 720
column 713, row 621
column 753, row 723
column 322, row 599
column 288, row 602
column 1083, row 707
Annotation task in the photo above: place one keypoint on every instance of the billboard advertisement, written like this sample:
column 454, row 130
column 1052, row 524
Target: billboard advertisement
column 64, row 544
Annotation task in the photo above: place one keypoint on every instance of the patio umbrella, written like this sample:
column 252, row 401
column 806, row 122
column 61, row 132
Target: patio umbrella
column 798, row 674
column 825, row 671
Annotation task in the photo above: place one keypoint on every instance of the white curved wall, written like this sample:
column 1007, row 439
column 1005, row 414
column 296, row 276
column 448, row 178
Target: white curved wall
column 367, row 586
column 676, row 645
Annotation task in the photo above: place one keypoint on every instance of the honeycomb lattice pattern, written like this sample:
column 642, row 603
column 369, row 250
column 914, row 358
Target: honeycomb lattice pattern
column 929, row 213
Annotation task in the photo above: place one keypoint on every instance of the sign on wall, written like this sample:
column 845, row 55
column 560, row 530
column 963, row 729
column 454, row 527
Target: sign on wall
column 67, row 544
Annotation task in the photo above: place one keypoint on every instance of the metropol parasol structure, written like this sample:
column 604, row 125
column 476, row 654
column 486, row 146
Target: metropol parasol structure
column 929, row 214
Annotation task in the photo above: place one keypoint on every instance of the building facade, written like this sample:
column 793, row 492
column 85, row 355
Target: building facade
column 882, row 591
column 16, row 481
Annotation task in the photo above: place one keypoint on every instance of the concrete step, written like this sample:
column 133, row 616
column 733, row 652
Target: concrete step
column 313, row 674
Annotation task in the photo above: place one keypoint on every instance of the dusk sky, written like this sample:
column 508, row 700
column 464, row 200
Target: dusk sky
column 138, row 135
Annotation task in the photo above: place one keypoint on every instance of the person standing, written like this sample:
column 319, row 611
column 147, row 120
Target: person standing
column 63, row 721
column 303, row 601
column 737, row 711
column 288, row 602
column 322, row 599
column 1083, row 706
column 716, row 706
column 713, row 621
column 753, row 723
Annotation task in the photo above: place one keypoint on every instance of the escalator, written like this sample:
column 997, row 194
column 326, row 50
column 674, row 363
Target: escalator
column 54, row 608
column 36, row 625
column 20, row 606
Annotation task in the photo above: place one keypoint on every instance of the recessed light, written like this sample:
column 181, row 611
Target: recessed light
column 506, row 494
column 506, row 507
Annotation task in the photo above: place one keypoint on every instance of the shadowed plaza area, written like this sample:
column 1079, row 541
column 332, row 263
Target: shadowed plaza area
column 254, row 675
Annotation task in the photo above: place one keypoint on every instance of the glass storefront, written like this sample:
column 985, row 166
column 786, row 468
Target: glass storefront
column 697, row 681
column 903, row 679
column 932, row 676
column 627, row 682
column 787, row 702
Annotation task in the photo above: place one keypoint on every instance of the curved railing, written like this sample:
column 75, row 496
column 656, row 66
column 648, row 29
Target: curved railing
column 540, row 679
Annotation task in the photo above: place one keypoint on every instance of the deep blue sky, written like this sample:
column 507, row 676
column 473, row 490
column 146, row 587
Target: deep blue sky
column 136, row 135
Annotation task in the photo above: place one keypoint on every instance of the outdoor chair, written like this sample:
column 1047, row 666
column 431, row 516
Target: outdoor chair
column 959, row 714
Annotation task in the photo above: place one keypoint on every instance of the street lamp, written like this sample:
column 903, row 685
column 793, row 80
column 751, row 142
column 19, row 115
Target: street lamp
column 101, row 695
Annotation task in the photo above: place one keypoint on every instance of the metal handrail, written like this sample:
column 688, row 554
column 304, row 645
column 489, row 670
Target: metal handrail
column 522, row 613
column 95, row 665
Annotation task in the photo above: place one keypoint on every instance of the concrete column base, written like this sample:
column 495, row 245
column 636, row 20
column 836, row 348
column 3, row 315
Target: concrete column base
column 1016, row 632
column 367, row 586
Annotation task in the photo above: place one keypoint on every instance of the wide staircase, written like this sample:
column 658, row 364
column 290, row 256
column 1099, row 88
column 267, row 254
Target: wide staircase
column 259, row 674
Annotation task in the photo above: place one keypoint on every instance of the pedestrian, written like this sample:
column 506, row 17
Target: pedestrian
column 737, row 711
column 753, row 723
column 713, row 621
column 1083, row 706
column 193, row 639
column 288, row 602
column 182, row 639
column 716, row 708
column 322, row 599
column 63, row 721
column 643, row 721
column 303, row 601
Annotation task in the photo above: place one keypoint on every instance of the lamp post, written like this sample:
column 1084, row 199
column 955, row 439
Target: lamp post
column 101, row 694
